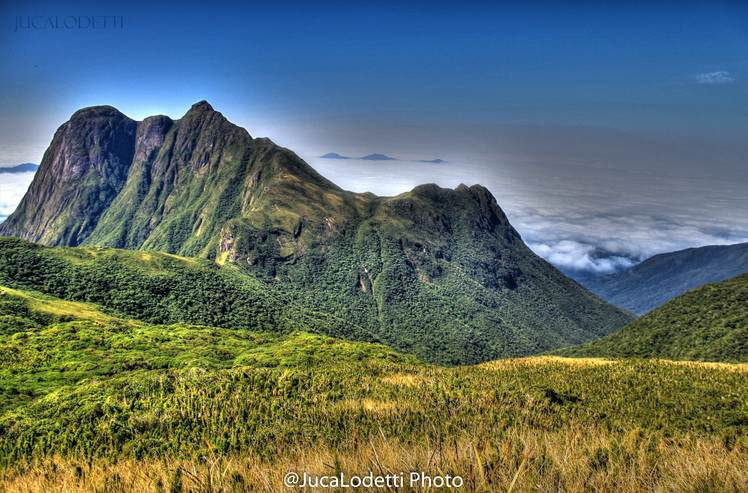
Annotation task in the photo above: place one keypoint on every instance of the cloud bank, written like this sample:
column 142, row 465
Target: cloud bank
column 582, row 260
column 604, row 244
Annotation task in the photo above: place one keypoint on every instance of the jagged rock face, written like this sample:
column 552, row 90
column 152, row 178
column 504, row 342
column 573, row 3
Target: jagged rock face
column 80, row 175
column 150, row 137
column 426, row 266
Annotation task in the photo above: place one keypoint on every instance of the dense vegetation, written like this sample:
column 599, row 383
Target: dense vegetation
column 44, row 351
column 159, row 288
column 709, row 323
column 433, row 320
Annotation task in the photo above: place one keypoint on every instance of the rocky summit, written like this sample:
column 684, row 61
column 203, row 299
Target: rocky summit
column 435, row 272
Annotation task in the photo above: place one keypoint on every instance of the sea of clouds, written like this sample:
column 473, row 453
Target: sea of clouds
column 587, row 219
column 13, row 186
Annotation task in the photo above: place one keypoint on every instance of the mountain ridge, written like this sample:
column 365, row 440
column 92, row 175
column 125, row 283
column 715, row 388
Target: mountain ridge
column 434, row 272
column 21, row 168
column 662, row 277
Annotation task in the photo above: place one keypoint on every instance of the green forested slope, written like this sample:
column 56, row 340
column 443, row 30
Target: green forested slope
column 159, row 288
column 709, row 323
column 455, row 320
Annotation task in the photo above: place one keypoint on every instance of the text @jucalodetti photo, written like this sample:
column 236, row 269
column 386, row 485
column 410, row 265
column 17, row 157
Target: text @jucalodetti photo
column 341, row 480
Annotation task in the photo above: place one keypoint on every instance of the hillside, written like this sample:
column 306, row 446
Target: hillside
column 663, row 277
column 52, row 344
column 438, row 273
column 709, row 323
column 127, row 408
column 159, row 288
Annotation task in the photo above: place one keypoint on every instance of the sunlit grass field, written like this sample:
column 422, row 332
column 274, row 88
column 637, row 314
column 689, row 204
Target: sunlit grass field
column 532, row 424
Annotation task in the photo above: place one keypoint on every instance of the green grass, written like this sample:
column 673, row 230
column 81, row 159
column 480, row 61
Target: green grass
column 54, row 307
column 81, row 343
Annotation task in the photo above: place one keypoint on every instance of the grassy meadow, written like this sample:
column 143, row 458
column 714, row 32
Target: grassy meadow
column 533, row 424
column 91, row 401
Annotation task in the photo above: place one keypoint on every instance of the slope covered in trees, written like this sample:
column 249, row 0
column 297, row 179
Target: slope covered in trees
column 709, row 323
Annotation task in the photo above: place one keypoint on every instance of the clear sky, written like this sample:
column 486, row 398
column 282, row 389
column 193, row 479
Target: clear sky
column 608, row 131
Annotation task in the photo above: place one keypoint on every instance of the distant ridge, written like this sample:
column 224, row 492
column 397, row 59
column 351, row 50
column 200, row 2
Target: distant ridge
column 21, row 168
column 433, row 161
column 334, row 155
column 662, row 277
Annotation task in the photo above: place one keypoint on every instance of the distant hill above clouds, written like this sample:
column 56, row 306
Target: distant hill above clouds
column 21, row 168
column 663, row 277
column 334, row 155
column 378, row 157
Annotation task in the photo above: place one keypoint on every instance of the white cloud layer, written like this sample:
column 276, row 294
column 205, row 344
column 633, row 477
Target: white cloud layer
column 603, row 244
column 715, row 78
column 13, row 186
column 575, row 257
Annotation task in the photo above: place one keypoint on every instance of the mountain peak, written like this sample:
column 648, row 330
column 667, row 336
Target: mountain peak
column 95, row 112
column 200, row 186
column 202, row 106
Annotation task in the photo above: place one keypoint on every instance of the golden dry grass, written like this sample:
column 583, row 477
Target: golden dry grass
column 405, row 379
column 576, row 460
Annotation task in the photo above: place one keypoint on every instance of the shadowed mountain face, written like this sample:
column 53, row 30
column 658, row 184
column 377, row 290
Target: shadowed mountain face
column 662, row 277
column 81, row 173
column 439, row 273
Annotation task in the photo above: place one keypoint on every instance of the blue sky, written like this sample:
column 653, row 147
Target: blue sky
column 569, row 112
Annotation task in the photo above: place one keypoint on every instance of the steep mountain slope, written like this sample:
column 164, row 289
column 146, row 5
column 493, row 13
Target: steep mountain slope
column 709, row 323
column 82, row 171
column 435, row 272
column 662, row 277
